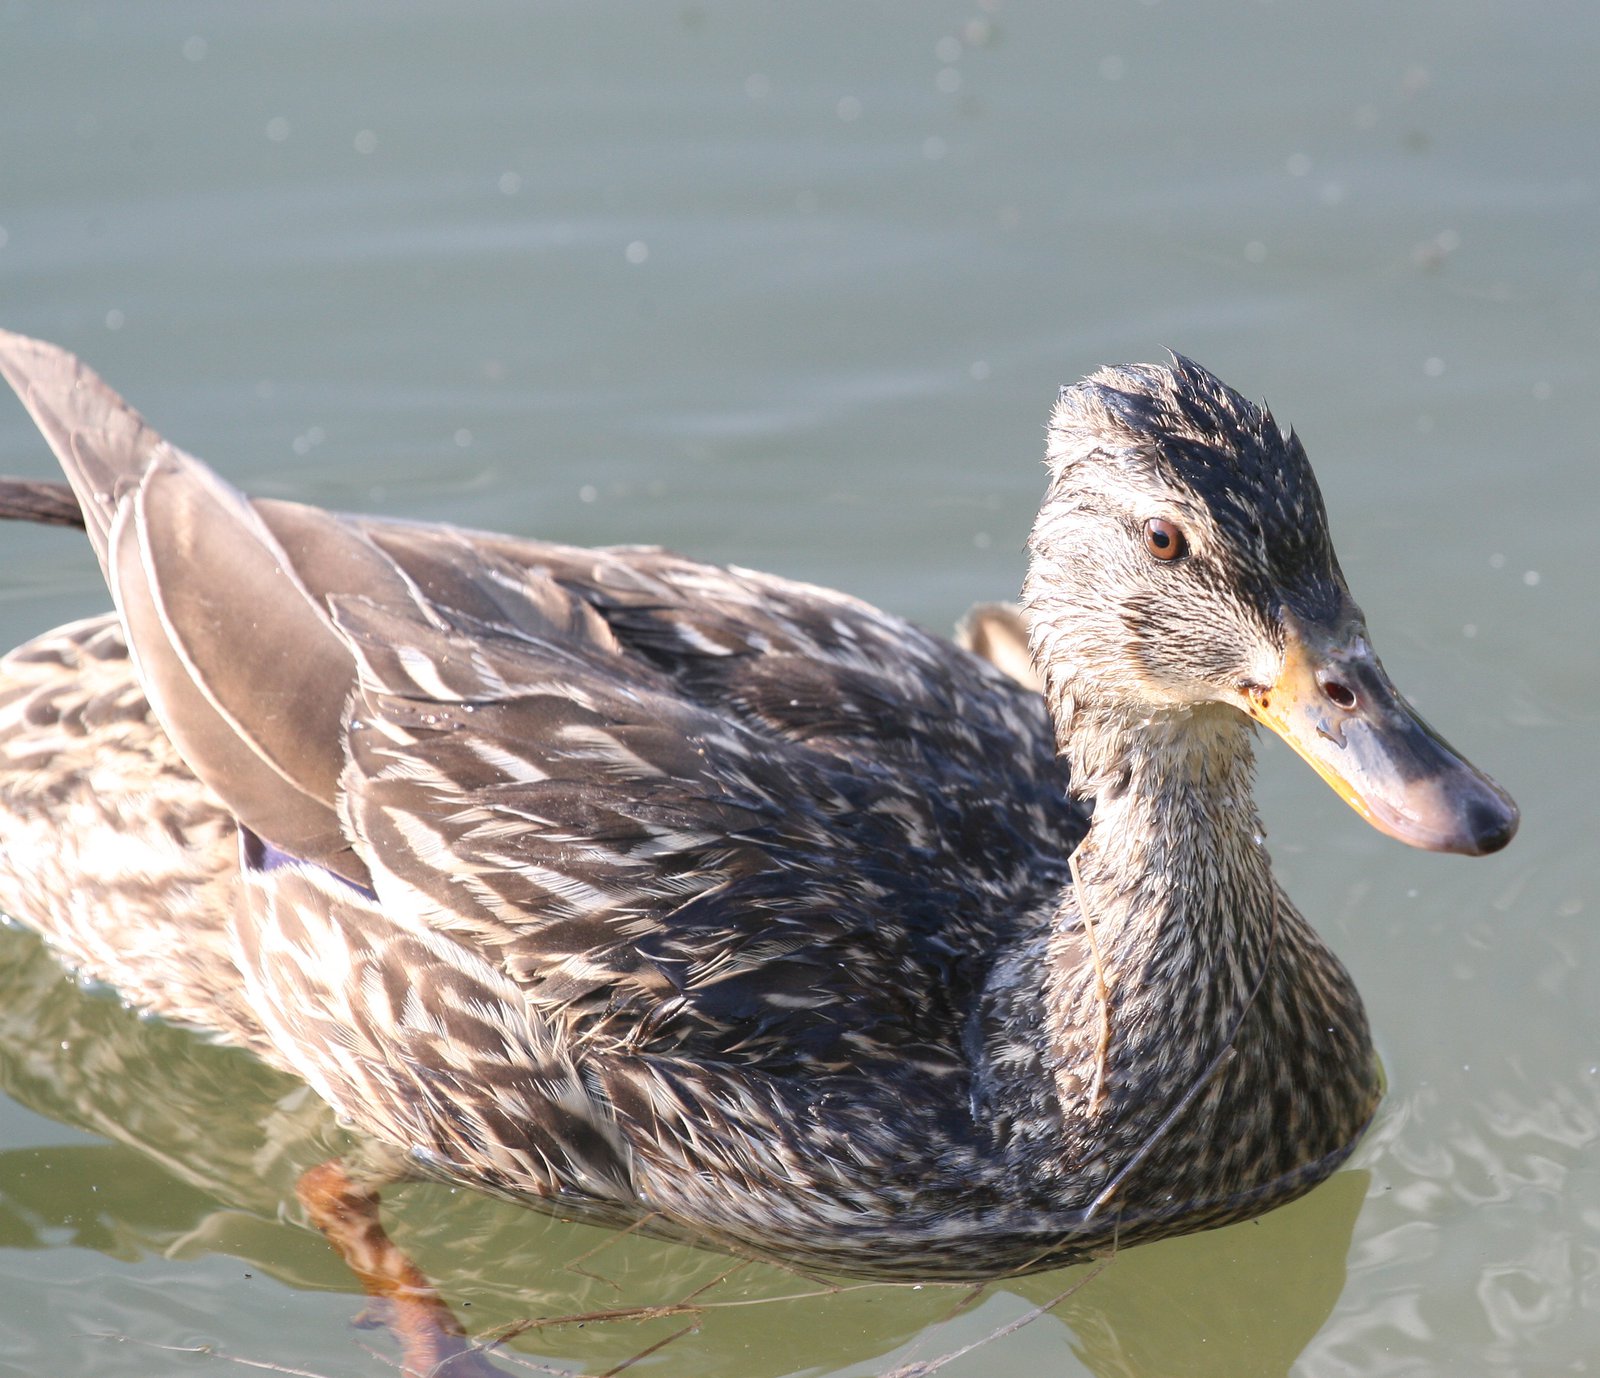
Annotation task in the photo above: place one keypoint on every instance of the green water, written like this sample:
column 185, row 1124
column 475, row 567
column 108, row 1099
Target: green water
column 793, row 286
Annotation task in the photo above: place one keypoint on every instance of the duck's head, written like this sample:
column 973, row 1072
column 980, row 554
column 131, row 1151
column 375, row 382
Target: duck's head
column 1182, row 562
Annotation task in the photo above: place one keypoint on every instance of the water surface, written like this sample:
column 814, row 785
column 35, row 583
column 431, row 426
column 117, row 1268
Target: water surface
column 793, row 286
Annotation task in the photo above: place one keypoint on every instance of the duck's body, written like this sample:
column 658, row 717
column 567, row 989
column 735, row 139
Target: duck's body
column 654, row 889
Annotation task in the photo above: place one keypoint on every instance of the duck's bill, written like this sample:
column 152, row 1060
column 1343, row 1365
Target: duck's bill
column 1334, row 705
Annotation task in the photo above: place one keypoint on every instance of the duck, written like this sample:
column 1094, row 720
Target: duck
column 647, row 890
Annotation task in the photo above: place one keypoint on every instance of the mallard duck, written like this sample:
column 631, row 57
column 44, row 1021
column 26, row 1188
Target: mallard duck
column 638, row 887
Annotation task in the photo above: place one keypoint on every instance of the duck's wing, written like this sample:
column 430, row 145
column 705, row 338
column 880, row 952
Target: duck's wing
column 997, row 633
column 238, row 657
column 695, row 807
column 673, row 804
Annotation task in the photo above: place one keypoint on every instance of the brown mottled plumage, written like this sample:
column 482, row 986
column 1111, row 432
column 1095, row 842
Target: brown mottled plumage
column 642, row 887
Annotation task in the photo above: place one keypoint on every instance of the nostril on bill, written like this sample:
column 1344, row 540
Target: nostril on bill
column 1337, row 692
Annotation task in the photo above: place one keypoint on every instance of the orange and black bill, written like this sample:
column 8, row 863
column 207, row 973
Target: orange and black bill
column 1334, row 704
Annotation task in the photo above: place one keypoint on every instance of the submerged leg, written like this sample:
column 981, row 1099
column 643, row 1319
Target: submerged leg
column 433, row 1342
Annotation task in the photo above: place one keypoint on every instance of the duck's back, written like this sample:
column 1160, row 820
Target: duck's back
column 695, row 809
column 593, row 872
column 682, row 809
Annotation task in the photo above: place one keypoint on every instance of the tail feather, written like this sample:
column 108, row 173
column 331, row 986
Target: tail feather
column 103, row 443
column 239, row 659
column 34, row 500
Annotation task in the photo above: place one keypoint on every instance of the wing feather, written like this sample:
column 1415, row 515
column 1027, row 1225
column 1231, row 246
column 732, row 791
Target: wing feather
column 691, row 809
column 241, row 664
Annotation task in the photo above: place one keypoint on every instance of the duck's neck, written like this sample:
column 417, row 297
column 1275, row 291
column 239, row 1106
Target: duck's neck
column 1193, row 1045
column 1173, row 904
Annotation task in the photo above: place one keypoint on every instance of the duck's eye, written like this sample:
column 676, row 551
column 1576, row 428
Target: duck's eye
column 1165, row 540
